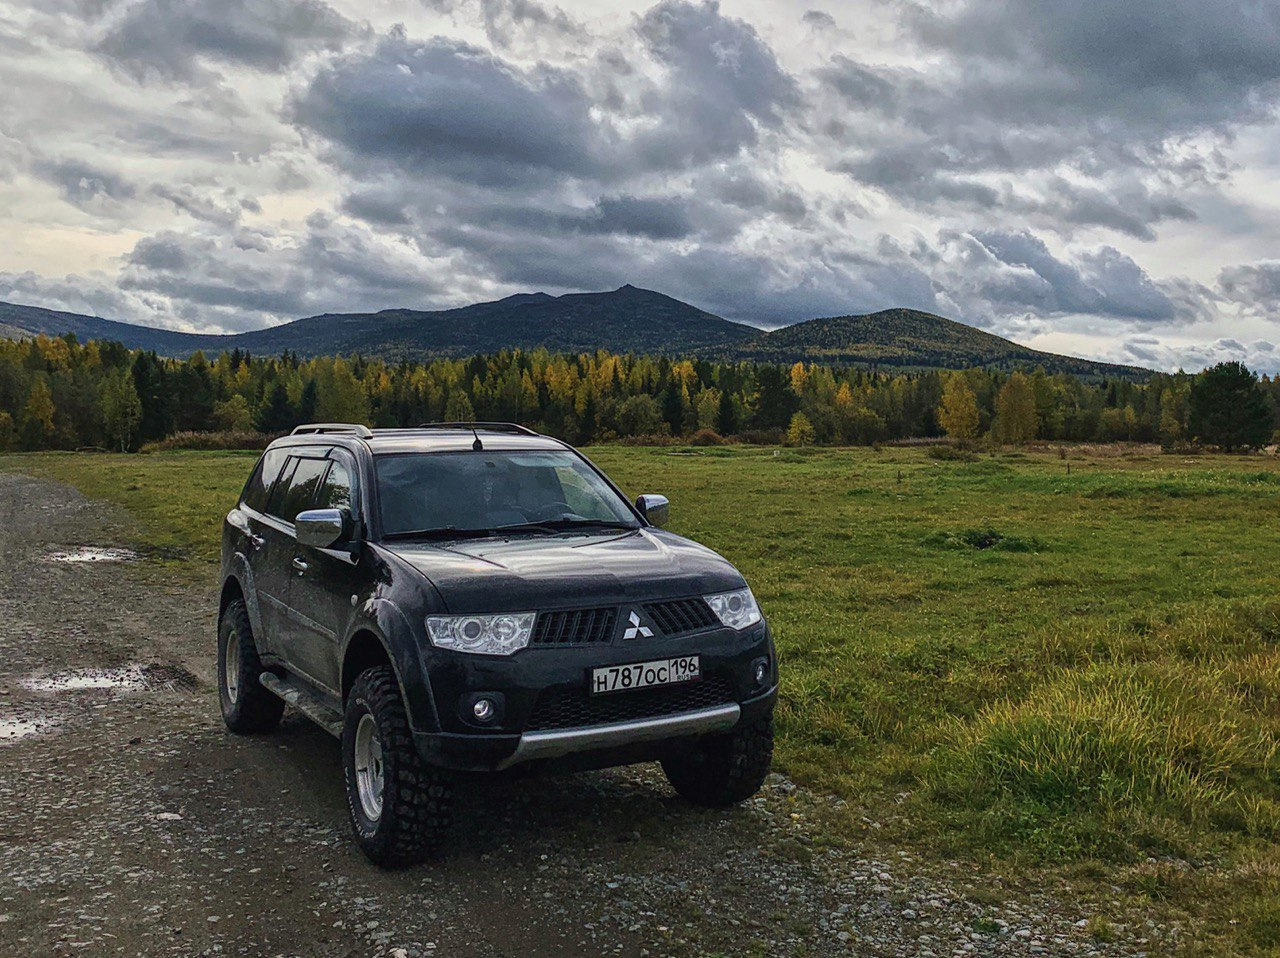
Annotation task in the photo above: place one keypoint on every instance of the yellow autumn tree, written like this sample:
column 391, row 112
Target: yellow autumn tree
column 958, row 413
column 800, row 432
column 1015, row 421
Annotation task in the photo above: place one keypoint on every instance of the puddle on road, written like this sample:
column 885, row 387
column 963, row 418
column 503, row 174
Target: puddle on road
column 95, row 554
column 12, row 729
column 132, row 678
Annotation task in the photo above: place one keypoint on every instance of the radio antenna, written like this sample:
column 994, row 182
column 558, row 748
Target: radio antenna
column 476, row 446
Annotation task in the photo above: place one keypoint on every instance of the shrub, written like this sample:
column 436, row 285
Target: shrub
column 762, row 437
column 706, row 437
column 951, row 454
column 225, row 439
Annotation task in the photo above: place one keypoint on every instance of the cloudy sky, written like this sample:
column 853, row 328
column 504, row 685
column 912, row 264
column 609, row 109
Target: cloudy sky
column 1096, row 177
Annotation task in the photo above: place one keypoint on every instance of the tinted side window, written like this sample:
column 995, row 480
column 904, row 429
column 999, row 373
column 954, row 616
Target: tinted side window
column 302, row 488
column 281, row 487
column 335, row 491
column 255, row 493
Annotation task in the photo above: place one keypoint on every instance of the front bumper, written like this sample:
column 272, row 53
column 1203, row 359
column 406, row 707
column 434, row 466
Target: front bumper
column 613, row 729
column 556, row 743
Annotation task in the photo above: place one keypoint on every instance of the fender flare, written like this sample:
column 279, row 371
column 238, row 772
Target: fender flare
column 384, row 619
column 240, row 571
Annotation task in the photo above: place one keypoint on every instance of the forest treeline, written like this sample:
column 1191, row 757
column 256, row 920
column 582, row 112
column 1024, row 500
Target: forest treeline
column 56, row 393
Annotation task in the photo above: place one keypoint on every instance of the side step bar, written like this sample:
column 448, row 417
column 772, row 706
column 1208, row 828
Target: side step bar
column 305, row 701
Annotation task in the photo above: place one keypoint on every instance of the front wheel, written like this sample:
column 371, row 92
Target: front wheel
column 720, row 770
column 399, row 805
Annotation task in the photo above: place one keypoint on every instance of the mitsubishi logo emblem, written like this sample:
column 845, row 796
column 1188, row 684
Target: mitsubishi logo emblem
column 636, row 629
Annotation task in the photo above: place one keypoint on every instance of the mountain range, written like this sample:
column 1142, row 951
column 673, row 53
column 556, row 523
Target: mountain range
column 622, row 320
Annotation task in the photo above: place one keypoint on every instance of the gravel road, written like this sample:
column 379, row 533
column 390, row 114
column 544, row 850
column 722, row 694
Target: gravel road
column 132, row 823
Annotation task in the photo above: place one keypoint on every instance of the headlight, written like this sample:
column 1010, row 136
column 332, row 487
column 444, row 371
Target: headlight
column 481, row 634
column 737, row 610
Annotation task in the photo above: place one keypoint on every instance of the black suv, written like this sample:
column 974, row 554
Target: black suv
column 467, row 597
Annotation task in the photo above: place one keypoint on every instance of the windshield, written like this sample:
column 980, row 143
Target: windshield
column 483, row 492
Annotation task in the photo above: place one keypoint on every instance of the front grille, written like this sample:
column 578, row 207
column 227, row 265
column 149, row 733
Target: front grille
column 574, row 708
column 573, row 627
column 681, row 616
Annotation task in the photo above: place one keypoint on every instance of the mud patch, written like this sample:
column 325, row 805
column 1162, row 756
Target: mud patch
column 132, row 678
column 13, row 729
column 94, row 554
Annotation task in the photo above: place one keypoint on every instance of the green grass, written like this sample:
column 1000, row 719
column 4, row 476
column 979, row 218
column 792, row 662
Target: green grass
column 994, row 659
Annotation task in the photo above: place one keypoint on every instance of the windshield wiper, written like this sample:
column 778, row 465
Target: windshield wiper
column 445, row 532
column 550, row 526
column 590, row 524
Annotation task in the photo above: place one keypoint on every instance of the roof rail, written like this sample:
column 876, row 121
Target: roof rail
column 350, row 428
column 490, row 426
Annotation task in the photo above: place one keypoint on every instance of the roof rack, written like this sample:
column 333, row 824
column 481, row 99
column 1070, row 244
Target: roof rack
column 489, row 426
column 320, row 428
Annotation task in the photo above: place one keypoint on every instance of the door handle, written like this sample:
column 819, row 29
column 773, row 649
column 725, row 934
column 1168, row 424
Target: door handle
column 256, row 541
column 300, row 564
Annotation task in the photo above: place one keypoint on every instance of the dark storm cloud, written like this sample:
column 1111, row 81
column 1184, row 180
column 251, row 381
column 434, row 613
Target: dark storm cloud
column 723, row 84
column 88, row 295
column 1158, row 66
column 219, row 207
column 447, row 107
column 818, row 20
column 1256, row 286
column 1103, row 282
column 450, row 108
column 998, row 279
column 747, row 285
column 670, row 149
column 246, row 278
column 1019, row 92
column 82, row 183
column 170, row 38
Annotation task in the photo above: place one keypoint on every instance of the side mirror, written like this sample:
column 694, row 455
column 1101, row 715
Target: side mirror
column 656, row 509
column 322, row 528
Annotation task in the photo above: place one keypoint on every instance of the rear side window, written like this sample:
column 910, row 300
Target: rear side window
column 335, row 491
column 259, row 487
column 300, row 492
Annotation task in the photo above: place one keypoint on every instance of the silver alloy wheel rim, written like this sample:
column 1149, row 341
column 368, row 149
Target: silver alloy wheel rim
column 231, row 666
column 369, row 769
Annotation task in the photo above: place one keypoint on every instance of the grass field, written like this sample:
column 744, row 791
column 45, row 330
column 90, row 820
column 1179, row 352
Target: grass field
column 1069, row 666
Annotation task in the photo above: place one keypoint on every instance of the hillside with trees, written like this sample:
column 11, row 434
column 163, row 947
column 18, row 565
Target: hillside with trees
column 625, row 320
column 911, row 339
column 56, row 393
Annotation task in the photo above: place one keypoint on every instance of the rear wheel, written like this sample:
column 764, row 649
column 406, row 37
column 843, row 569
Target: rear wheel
column 399, row 805
column 721, row 770
column 247, row 707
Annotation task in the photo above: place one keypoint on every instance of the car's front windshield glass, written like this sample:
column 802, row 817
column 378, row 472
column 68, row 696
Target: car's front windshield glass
column 483, row 492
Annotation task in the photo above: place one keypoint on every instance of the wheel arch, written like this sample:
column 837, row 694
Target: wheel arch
column 380, row 636
column 231, row 590
column 237, row 583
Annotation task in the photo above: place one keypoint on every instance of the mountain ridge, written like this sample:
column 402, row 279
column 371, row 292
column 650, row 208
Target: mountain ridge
column 628, row 319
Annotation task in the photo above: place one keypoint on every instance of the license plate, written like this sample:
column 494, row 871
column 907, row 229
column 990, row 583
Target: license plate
column 643, row 675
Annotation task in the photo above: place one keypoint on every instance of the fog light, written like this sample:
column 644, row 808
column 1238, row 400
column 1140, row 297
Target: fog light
column 760, row 671
column 483, row 710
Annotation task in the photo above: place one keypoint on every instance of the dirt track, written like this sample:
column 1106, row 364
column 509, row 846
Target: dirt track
column 131, row 822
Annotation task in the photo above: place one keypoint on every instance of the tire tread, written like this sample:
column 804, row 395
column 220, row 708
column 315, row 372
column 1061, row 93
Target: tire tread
column 256, row 709
column 417, row 797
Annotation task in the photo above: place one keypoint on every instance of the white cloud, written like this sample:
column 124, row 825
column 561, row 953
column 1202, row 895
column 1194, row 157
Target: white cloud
column 1013, row 163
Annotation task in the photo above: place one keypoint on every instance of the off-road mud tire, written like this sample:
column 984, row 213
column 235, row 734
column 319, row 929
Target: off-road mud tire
column 417, row 797
column 254, row 709
column 717, row 771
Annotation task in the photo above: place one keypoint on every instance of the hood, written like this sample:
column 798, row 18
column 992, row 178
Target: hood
column 543, row 572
